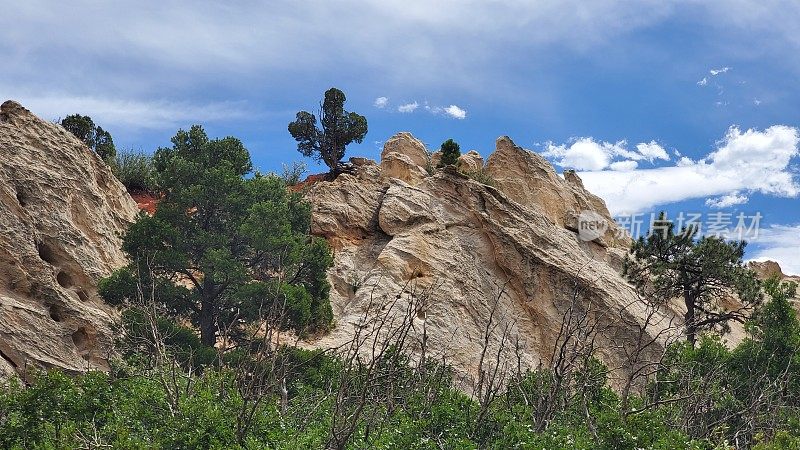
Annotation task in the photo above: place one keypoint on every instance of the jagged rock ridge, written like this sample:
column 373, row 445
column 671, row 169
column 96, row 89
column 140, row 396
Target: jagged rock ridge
column 62, row 213
column 395, row 229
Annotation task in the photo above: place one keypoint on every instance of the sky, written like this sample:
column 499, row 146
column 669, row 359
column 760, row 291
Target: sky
column 688, row 106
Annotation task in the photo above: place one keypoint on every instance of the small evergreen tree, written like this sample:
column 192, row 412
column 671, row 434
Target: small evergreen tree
column 339, row 128
column 95, row 137
column 450, row 153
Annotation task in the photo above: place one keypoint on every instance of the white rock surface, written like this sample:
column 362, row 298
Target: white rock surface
column 462, row 243
column 62, row 213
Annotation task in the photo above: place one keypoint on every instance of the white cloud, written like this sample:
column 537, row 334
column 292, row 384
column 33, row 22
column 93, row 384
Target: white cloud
column 715, row 72
column 749, row 161
column 408, row 107
column 780, row 243
column 624, row 166
column 588, row 154
column 703, row 82
column 727, row 200
column 116, row 112
column 455, row 112
column 651, row 151
column 381, row 102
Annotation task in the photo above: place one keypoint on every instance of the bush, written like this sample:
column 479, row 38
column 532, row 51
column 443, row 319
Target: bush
column 135, row 171
column 450, row 153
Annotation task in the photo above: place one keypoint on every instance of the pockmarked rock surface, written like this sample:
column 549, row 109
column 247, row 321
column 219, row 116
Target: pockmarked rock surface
column 62, row 213
column 455, row 248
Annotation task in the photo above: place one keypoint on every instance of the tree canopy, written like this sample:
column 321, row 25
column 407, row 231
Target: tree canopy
column 339, row 129
column 226, row 246
column 95, row 137
column 450, row 153
column 701, row 271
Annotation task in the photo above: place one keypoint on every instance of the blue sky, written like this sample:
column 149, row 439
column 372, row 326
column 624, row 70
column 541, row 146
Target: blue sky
column 708, row 88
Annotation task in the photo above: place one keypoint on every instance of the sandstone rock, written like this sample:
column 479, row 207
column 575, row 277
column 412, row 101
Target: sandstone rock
column 470, row 162
column 528, row 179
column 359, row 161
column 406, row 144
column 402, row 167
column 768, row 269
column 458, row 246
column 62, row 213
column 435, row 158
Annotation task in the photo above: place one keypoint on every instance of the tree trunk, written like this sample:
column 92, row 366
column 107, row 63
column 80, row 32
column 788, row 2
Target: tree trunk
column 689, row 318
column 208, row 325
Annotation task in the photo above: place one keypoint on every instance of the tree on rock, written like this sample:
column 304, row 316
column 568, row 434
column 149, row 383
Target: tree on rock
column 226, row 247
column 95, row 137
column 450, row 153
column 702, row 271
column 339, row 128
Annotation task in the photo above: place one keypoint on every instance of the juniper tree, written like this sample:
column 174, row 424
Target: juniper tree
column 225, row 244
column 699, row 270
column 339, row 128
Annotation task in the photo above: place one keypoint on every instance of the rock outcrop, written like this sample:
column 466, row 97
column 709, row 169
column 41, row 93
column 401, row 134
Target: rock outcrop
column 62, row 213
column 457, row 247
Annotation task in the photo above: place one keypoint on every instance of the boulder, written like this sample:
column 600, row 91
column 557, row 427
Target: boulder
column 470, row 162
column 406, row 144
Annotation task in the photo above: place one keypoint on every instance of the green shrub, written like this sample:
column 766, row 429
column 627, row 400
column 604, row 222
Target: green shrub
column 134, row 170
column 450, row 153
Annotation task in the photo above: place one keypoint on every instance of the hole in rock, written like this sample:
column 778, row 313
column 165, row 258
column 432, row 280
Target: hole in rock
column 81, row 339
column 55, row 313
column 83, row 295
column 64, row 280
column 22, row 198
column 46, row 253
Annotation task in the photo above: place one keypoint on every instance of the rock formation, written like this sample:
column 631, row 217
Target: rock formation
column 457, row 247
column 62, row 213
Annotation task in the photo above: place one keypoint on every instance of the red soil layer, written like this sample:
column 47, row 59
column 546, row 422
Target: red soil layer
column 308, row 182
column 146, row 201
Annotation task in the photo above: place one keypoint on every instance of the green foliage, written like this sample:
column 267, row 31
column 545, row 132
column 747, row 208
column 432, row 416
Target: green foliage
column 450, row 153
column 666, row 264
column 481, row 176
column 135, row 171
column 93, row 136
column 339, row 129
column 238, row 240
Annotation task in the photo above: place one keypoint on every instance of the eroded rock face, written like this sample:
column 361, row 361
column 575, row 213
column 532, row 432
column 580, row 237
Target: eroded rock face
column 458, row 246
column 528, row 179
column 62, row 213
column 470, row 162
column 406, row 144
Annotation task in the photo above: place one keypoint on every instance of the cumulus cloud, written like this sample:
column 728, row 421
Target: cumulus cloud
column 455, row 112
column 381, row 102
column 715, row 72
column 780, row 243
column 408, row 107
column 651, row 151
column 744, row 161
column 727, row 200
column 703, row 82
column 587, row 154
